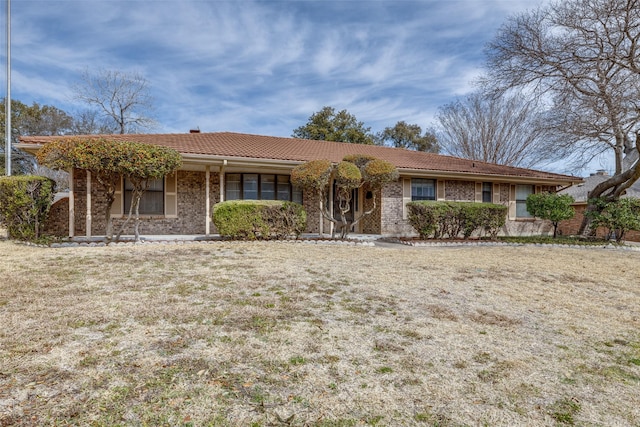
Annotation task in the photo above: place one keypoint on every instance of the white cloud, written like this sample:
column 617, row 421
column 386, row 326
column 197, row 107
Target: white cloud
column 261, row 67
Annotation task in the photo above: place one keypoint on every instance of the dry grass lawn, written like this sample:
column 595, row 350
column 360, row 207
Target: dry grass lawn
column 268, row 334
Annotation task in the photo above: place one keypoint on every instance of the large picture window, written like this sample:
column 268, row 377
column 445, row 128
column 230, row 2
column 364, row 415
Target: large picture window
column 423, row 189
column 522, row 192
column 253, row 186
column 152, row 201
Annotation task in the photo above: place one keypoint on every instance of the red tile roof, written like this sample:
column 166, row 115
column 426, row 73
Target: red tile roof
column 229, row 144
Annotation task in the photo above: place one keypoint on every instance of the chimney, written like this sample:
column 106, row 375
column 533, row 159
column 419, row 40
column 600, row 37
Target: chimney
column 600, row 172
column 197, row 130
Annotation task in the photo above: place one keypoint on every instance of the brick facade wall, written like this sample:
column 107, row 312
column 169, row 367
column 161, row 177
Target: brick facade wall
column 572, row 226
column 391, row 222
column 460, row 191
column 191, row 187
column 387, row 218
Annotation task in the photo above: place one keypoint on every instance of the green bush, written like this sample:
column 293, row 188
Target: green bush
column 551, row 206
column 259, row 219
column 451, row 219
column 617, row 217
column 25, row 201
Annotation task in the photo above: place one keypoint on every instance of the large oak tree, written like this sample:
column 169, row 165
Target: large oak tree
column 329, row 125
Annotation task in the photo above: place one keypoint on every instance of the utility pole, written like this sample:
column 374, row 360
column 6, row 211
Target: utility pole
column 7, row 99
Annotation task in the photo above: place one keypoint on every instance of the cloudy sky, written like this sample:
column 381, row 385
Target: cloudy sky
column 259, row 66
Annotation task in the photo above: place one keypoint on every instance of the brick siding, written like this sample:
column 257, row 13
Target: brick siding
column 460, row 191
column 572, row 226
column 387, row 218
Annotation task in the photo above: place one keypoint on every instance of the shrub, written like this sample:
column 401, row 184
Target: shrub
column 259, row 219
column 551, row 206
column 617, row 216
column 25, row 201
column 450, row 219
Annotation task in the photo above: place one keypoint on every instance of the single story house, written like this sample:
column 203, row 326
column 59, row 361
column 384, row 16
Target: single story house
column 228, row 166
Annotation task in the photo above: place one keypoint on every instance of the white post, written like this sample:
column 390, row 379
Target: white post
column 88, row 219
column 7, row 108
column 207, row 227
column 72, row 207
column 222, row 168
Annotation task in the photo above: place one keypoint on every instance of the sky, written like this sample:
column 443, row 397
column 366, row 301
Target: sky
column 260, row 67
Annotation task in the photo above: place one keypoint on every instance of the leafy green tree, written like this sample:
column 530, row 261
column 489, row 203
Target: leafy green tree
column 353, row 172
column 108, row 160
column 34, row 119
column 142, row 164
column 551, row 206
column 408, row 136
column 617, row 216
column 100, row 156
column 25, row 201
column 327, row 125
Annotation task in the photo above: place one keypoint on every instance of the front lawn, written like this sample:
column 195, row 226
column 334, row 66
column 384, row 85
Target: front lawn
column 269, row 333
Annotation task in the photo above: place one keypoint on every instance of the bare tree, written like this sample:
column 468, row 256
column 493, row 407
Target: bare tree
column 506, row 130
column 89, row 122
column 122, row 98
column 583, row 56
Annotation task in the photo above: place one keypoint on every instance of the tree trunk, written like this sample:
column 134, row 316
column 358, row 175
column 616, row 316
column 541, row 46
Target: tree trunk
column 136, row 226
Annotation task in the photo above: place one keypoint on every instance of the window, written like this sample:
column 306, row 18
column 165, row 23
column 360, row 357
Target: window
column 253, row 186
column 152, row 201
column 487, row 192
column 522, row 192
column 423, row 189
column 233, row 187
column 250, row 186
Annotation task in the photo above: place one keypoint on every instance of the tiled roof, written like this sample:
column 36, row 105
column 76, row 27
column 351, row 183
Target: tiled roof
column 229, row 144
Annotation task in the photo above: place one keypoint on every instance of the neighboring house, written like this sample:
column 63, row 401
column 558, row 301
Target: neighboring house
column 580, row 193
column 229, row 166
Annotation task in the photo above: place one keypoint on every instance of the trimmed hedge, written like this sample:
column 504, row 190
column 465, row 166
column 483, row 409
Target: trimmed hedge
column 452, row 219
column 259, row 219
column 25, row 201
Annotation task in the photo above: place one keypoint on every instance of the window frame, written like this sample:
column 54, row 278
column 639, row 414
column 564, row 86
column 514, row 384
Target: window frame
column 487, row 192
column 278, row 183
column 434, row 183
column 127, row 195
column 522, row 203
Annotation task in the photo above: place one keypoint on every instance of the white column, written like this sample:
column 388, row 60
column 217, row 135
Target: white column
column 207, row 227
column 72, row 206
column 222, row 168
column 88, row 220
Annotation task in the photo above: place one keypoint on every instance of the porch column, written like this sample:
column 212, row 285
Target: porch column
column 207, row 226
column 72, row 207
column 88, row 219
column 222, row 168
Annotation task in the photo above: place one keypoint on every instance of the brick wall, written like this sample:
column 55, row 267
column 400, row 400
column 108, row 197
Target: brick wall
column 57, row 223
column 387, row 218
column 572, row 226
column 391, row 220
column 460, row 191
column 191, row 187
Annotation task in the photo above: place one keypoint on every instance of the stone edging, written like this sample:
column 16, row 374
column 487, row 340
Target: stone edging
column 424, row 243
column 417, row 244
